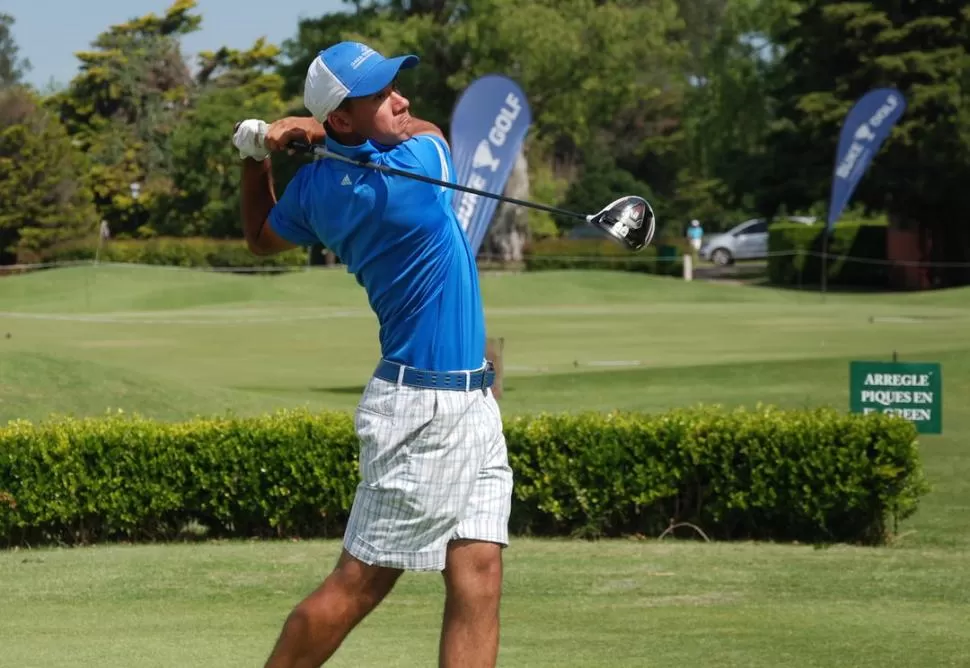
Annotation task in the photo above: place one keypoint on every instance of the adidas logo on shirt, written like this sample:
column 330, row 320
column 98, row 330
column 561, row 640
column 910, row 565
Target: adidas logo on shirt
column 346, row 181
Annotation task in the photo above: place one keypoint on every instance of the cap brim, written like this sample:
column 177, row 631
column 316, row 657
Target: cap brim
column 381, row 75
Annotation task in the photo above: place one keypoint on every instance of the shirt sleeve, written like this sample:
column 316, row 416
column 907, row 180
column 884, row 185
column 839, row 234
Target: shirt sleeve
column 433, row 157
column 288, row 217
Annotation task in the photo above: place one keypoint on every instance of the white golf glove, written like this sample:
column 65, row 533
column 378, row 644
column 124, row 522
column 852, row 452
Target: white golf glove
column 248, row 138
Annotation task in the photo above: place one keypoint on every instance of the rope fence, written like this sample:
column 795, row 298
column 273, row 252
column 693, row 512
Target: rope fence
column 484, row 259
column 23, row 268
column 831, row 257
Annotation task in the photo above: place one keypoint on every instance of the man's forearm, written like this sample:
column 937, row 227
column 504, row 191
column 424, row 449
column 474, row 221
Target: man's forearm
column 258, row 198
column 314, row 130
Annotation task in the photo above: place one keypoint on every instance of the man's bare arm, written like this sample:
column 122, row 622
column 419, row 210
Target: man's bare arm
column 420, row 127
column 258, row 199
column 258, row 194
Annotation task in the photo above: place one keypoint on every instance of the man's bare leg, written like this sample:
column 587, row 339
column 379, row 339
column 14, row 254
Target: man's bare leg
column 473, row 583
column 318, row 625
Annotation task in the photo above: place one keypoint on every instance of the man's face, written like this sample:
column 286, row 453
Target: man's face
column 382, row 117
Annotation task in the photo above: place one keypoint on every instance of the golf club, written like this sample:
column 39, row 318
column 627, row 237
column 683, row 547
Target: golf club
column 629, row 220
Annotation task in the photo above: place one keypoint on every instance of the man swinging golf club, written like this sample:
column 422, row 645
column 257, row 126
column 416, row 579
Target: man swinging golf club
column 435, row 490
column 436, row 486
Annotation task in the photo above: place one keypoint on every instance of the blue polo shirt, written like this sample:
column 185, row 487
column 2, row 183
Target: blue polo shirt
column 401, row 240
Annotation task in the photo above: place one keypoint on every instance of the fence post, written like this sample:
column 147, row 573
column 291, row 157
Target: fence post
column 493, row 353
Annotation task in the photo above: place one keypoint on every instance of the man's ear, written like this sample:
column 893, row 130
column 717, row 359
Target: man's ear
column 340, row 122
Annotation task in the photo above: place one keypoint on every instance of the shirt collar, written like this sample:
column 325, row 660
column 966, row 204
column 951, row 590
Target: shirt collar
column 365, row 151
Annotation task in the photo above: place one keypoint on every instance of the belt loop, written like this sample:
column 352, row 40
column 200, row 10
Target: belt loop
column 468, row 381
column 400, row 375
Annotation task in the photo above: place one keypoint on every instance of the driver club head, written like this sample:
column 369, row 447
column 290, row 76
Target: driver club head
column 629, row 220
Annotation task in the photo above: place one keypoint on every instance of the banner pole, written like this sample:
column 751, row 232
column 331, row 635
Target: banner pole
column 825, row 257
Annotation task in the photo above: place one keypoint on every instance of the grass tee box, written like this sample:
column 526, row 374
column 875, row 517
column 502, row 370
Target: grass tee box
column 911, row 391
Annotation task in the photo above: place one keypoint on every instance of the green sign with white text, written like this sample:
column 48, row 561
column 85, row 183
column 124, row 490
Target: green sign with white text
column 914, row 391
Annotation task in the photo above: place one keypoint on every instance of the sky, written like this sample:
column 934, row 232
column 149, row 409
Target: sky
column 49, row 32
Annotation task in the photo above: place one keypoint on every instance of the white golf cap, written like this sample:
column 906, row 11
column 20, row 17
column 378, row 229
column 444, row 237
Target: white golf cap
column 345, row 70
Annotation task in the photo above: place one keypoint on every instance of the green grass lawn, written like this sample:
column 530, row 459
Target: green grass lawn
column 612, row 603
column 172, row 343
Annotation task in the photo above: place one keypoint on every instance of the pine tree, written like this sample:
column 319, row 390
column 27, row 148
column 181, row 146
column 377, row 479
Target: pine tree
column 43, row 201
column 12, row 67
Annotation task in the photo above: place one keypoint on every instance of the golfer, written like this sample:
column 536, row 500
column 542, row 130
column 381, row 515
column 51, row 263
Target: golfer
column 435, row 490
column 696, row 234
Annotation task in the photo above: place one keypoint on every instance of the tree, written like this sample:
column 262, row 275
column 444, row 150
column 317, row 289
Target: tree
column 727, row 108
column 158, row 138
column 836, row 52
column 43, row 198
column 205, row 168
column 122, row 107
column 12, row 67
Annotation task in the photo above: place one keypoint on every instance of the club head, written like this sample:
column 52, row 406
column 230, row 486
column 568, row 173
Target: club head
column 629, row 220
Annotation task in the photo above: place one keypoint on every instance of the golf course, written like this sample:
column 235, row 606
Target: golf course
column 171, row 344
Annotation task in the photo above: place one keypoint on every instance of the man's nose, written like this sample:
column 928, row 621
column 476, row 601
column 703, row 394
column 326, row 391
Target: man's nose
column 401, row 103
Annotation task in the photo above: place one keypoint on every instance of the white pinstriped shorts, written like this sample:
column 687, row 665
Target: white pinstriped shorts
column 433, row 467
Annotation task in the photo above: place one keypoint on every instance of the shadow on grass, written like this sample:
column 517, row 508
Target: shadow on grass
column 816, row 288
column 350, row 389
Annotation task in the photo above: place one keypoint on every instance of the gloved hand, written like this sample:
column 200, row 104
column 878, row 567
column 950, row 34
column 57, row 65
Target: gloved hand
column 248, row 138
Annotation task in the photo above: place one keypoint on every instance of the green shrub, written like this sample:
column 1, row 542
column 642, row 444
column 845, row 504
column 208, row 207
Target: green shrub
column 178, row 252
column 856, row 254
column 815, row 476
column 765, row 474
column 80, row 481
column 560, row 253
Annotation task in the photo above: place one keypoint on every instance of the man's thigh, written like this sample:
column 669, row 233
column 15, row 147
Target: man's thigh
column 486, row 516
column 417, row 471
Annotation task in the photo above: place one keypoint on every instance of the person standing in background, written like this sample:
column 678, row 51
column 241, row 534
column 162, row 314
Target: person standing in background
column 696, row 235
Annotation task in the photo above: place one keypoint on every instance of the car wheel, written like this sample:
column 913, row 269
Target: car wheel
column 721, row 257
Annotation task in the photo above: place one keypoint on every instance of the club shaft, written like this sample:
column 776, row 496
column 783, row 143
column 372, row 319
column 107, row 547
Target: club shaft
column 324, row 153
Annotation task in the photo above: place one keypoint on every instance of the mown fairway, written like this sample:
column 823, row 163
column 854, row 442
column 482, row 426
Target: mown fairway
column 614, row 603
column 172, row 343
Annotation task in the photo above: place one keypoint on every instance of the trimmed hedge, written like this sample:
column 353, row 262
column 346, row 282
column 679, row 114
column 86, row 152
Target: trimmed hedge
column 559, row 253
column 177, row 252
column 815, row 476
column 856, row 254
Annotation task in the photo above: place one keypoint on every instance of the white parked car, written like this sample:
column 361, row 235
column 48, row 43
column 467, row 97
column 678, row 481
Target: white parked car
column 747, row 241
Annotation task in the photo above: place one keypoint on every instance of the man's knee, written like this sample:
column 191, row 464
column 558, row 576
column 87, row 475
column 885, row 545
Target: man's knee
column 474, row 571
column 351, row 590
column 368, row 584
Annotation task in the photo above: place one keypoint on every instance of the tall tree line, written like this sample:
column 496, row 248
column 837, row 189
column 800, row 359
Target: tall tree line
column 714, row 109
